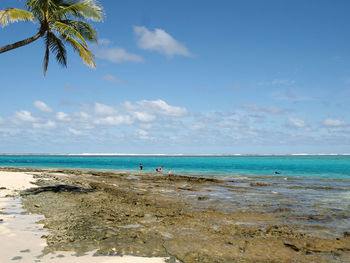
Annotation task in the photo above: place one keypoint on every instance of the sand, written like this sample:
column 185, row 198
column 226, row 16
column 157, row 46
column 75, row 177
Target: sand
column 20, row 235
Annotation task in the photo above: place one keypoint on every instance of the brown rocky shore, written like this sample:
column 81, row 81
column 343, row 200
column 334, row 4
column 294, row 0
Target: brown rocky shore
column 154, row 215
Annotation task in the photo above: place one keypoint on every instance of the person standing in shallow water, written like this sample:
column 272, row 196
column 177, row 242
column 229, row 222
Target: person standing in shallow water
column 141, row 167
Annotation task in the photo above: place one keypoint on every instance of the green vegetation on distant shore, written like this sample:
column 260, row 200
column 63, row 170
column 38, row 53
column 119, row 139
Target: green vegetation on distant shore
column 61, row 22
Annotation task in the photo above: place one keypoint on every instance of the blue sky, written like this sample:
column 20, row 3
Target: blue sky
column 189, row 77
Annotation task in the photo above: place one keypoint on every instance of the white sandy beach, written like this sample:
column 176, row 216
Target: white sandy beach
column 20, row 236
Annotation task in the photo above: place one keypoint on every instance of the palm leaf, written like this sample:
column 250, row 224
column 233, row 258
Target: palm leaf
column 68, row 31
column 87, row 9
column 41, row 8
column 85, row 54
column 84, row 29
column 13, row 15
column 35, row 6
column 57, row 47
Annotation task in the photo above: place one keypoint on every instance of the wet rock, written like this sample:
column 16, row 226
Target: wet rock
column 292, row 246
column 282, row 210
column 259, row 184
column 317, row 217
column 137, row 218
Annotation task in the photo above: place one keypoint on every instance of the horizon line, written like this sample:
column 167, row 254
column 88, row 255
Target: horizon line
column 172, row 154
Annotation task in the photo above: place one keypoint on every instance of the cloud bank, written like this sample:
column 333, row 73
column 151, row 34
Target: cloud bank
column 159, row 123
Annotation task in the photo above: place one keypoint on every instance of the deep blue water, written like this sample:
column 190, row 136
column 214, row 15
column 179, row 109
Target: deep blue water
column 331, row 167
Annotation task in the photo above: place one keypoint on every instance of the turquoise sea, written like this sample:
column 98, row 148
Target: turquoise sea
column 331, row 167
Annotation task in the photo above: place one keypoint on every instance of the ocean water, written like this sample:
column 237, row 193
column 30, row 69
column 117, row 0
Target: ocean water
column 330, row 167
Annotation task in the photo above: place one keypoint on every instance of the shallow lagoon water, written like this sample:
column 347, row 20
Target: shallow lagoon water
column 290, row 166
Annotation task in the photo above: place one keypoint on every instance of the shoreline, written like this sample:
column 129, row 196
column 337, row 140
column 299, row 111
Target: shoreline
column 224, row 176
column 184, row 218
column 21, row 234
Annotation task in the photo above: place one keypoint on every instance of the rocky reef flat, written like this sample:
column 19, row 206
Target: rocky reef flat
column 182, row 218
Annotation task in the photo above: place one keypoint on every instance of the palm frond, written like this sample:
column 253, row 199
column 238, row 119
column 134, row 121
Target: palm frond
column 47, row 53
column 35, row 6
column 58, row 48
column 13, row 15
column 85, row 30
column 41, row 8
column 85, row 54
column 61, row 22
column 68, row 31
column 87, row 9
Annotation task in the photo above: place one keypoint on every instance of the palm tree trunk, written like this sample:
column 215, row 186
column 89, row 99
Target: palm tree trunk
column 20, row 43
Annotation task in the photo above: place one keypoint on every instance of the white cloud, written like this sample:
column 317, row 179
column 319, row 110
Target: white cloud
column 104, row 110
column 47, row 125
column 334, row 123
column 111, row 79
column 266, row 109
column 162, row 108
column 197, row 126
column 160, row 41
column 146, row 126
column 25, row 116
column 144, row 111
column 297, row 123
column 148, row 110
column 117, row 55
column 81, row 115
column 143, row 135
column 42, row 106
column 113, row 120
column 2, row 120
column 61, row 116
column 129, row 106
column 75, row 132
column 139, row 123
column 144, row 116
